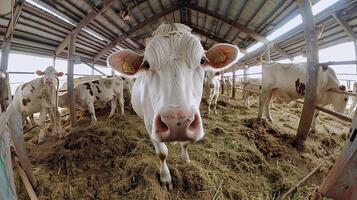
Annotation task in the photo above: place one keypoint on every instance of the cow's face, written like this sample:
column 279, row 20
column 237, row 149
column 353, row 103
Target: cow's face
column 128, row 84
column 339, row 100
column 49, row 75
column 173, row 68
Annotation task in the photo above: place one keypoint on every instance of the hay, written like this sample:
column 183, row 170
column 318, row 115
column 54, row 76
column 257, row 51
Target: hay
column 237, row 159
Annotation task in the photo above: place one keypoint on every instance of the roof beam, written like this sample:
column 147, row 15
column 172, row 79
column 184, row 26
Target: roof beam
column 213, row 37
column 239, row 26
column 135, row 28
column 84, row 22
column 344, row 24
column 12, row 22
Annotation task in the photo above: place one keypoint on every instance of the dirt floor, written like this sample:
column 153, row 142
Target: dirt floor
column 238, row 158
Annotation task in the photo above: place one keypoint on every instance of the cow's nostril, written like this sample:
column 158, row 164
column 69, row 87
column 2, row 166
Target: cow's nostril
column 160, row 125
column 194, row 123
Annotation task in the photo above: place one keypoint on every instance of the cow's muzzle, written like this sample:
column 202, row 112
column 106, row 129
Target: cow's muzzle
column 178, row 123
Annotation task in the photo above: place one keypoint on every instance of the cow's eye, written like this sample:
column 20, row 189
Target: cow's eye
column 203, row 61
column 345, row 98
column 145, row 65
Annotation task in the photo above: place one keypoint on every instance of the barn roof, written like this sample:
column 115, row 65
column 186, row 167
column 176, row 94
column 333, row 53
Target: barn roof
column 242, row 23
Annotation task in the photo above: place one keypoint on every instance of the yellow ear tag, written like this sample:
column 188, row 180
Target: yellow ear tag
column 220, row 58
column 127, row 68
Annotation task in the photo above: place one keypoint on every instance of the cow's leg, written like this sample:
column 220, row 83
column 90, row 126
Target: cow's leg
column 58, row 120
column 215, row 103
column 42, row 124
column 209, row 101
column 162, row 152
column 54, row 122
column 267, row 107
column 121, row 103
column 184, row 153
column 91, row 110
column 32, row 119
column 113, row 105
column 262, row 100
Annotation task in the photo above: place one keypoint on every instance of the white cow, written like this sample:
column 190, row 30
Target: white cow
column 96, row 92
column 354, row 99
column 168, row 89
column 287, row 82
column 212, row 85
column 40, row 95
column 251, row 88
column 229, row 84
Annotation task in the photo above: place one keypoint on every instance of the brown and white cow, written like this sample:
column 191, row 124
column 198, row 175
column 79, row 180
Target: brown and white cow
column 287, row 82
column 40, row 95
column 212, row 87
column 168, row 89
column 229, row 85
column 99, row 92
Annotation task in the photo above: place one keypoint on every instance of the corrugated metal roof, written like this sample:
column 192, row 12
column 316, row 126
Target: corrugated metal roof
column 40, row 32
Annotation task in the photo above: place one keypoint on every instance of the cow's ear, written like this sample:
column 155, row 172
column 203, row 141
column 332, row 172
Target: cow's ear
column 59, row 74
column 125, row 61
column 40, row 73
column 222, row 56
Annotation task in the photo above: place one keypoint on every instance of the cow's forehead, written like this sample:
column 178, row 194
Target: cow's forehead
column 178, row 46
column 50, row 70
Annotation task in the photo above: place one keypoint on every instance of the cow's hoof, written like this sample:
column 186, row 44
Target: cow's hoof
column 40, row 141
column 167, row 185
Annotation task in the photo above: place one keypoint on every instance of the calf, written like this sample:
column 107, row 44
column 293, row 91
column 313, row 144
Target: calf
column 168, row 89
column 212, row 85
column 229, row 83
column 40, row 95
column 287, row 82
column 99, row 92
column 354, row 99
column 250, row 88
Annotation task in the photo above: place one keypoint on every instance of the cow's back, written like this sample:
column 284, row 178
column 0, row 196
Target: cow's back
column 288, row 81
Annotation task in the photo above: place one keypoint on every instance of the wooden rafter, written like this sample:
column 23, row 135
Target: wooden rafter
column 344, row 24
column 239, row 26
column 13, row 21
column 135, row 28
column 84, row 22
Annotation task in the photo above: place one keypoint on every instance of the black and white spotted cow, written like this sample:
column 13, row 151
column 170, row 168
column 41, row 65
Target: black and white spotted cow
column 40, row 95
column 99, row 92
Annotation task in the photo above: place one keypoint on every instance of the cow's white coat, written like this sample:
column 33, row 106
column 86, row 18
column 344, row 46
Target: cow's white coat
column 284, row 81
column 170, row 77
column 40, row 95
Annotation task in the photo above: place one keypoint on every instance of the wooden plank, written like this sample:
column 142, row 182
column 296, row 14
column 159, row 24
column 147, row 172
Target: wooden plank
column 340, row 182
column 13, row 20
column 25, row 181
column 84, row 22
column 239, row 26
column 343, row 23
column 71, row 52
column 234, row 85
column 312, row 72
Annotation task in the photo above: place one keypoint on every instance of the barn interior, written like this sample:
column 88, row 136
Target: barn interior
column 239, row 158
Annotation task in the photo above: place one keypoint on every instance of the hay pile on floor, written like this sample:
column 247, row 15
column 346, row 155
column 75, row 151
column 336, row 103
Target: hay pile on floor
column 238, row 159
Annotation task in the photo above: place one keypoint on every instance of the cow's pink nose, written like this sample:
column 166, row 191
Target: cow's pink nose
column 176, row 123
